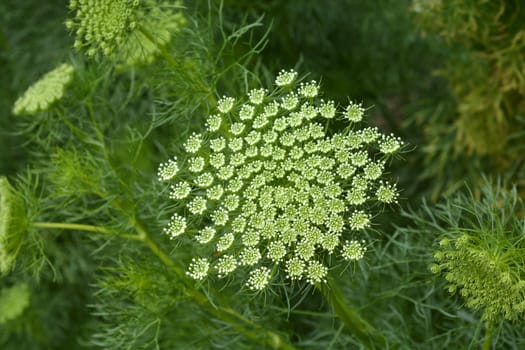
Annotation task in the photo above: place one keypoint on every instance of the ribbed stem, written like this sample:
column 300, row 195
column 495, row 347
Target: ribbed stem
column 358, row 326
column 82, row 227
column 489, row 333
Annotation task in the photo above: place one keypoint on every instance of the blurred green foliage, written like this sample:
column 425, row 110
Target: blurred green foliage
column 448, row 76
column 485, row 72
column 32, row 41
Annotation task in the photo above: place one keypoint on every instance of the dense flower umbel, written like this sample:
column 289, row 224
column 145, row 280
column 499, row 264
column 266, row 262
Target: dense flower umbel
column 273, row 190
column 482, row 256
column 483, row 277
column 132, row 30
column 46, row 91
column 102, row 25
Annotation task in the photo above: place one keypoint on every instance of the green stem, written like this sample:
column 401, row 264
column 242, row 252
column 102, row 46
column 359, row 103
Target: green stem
column 145, row 237
column 82, row 227
column 489, row 333
column 78, row 133
column 358, row 326
column 230, row 316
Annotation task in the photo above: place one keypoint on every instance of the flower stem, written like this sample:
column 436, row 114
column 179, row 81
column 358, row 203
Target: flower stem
column 359, row 327
column 145, row 237
column 489, row 333
column 82, row 227
column 253, row 332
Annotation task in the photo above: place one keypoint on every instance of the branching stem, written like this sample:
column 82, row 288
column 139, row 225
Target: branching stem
column 253, row 331
column 83, row 227
column 359, row 327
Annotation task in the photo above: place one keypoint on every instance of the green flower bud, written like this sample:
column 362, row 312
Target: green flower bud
column 132, row 31
column 485, row 265
column 46, row 91
column 13, row 301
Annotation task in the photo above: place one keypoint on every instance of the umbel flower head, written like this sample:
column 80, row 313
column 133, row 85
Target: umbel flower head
column 46, row 91
column 13, row 224
column 483, row 256
column 13, row 301
column 134, row 31
column 267, row 191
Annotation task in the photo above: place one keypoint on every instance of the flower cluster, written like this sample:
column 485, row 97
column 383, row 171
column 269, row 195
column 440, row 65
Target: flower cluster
column 481, row 255
column 42, row 94
column 482, row 277
column 14, row 300
column 134, row 30
column 269, row 189
column 13, row 224
column 102, row 25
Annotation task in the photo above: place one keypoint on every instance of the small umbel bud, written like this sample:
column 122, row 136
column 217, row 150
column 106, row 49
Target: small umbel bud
column 354, row 112
column 14, row 300
column 132, row 31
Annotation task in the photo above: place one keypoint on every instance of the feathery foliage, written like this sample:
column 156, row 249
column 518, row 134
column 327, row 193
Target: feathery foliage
column 275, row 223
